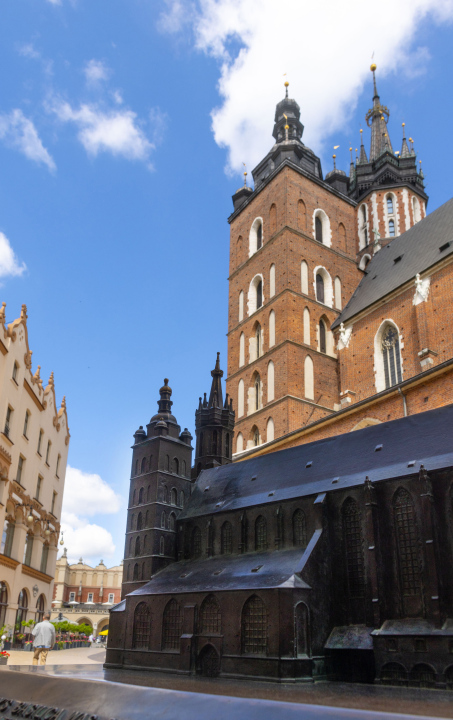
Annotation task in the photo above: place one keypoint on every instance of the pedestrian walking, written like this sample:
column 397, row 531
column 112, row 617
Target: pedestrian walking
column 44, row 640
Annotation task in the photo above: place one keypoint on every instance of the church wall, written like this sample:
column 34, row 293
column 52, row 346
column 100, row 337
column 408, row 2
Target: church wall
column 403, row 215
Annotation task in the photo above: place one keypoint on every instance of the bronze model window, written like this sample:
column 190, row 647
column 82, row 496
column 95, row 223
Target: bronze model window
column 260, row 533
column 196, row 542
column 254, row 627
column 142, row 627
column 226, row 538
column 210, row 618
column 172, row 623
column 353, row 545
column 299, row 529
column 407, row 543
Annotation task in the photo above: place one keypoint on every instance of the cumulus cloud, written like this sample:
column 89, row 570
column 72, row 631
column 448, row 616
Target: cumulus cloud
column 10, row 266
column 96, row 72
column 325, row 48
column 28, row 50
column 115, row 131
column 87, row 495
column 19, row 132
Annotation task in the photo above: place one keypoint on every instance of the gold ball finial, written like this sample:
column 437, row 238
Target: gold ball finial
column 403, row 124
column 334, row 156
column 373, row 67
column 361, row 131
column 286, row 83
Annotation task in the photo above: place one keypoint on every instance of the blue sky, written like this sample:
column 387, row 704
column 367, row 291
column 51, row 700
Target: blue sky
column 123, row 128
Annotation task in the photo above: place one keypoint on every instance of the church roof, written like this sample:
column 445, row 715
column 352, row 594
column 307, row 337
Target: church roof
column 394, row 449
column 415, row 251
column 251, row 571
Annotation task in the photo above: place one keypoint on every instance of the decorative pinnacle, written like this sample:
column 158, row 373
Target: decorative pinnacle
column 373, row 67
column 334, row 162
column 286, row 88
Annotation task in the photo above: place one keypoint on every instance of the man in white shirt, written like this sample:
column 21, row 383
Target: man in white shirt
column 44, row 640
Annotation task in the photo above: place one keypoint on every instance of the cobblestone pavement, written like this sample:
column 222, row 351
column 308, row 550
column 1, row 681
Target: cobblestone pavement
column 75, row 656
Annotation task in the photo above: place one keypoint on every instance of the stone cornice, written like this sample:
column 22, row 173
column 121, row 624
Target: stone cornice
column 37, row 574
column 9, row 562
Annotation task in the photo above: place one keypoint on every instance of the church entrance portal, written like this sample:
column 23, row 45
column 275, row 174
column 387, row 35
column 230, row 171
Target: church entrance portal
column 209, row 662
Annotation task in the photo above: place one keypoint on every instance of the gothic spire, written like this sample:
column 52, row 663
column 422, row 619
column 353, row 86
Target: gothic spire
column 362, row 157
column 216, row 395
column 405, row 152
column 165, row 394
column 377, row 118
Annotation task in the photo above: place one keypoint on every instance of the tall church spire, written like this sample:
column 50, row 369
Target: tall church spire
column 377, row 118
column 216, row 395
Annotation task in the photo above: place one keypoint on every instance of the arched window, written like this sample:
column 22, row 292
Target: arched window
column 272, row 281
column 140, row 496
column 134, row 496
column 342, row 236
column 304, row 277
column 162, row 546
column 270, row 381
column 363, row 227
column 165, row 494
column 174, row 496
column 167, row 463
column 273, row 218
column 226, row 538
column 240, row 398
column 240, row 443
column 258, row 341
column 210, row 618
column 416, row 209
column 259, row 236
column 137, row 546
column 3, row 603
column 181, row 498
column 408, row 550
column 196, row 542
column 309, row 388
column 337, row 287
column 301, row 215
column 256, row 236
column 299, row 529
column 391, row 356
column 389, row 200
column 143, row 466
column 40, row 608
column 353, row 548
column 136, row 572
column 142, row 627
column 241, row 306
column 255, row 436
column 184, row 468
column 319, row 288
column 255, row 297
column 301, row 629
column 322, row 337
column 260, row 533
column 163, row 519
column 139, row 521
column 171, row 626
column 318, row 229
column 270, row 430
column 136, row 467
column 391, row 228
column 422, row 676
column 271, row 328
column 172, row 521
column 306, row 326
column 22, row 610
column 176, row 466
column 393, row 674
column 132, row 521
column 259, row 294
column 241, row 350
column 214, row 443
column 254, row 627
column 257, row 393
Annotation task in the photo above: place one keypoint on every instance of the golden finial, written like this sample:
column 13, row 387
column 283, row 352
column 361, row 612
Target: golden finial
column 361, row 131
column 286, row 83
column 245, row 174
column 403, row 124
column 286, row 87
column 373, row 67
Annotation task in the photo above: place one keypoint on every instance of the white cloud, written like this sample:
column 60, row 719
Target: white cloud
column 87, row 495
column 325, row 48
column 9, row 263
column 115, row 131
column 96, row 72
column 118, row 98
column 19, row 132
column 27, row 50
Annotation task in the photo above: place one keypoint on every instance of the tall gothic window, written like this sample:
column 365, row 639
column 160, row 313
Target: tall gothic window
column 391, row 228
column 259, row 294
column 407, row 543
column 226, row 538
column 210, row 618
column 319, row 288
column 139, row 521
column 301, row 628
column 256, row 437
column 254, row 627
column 171, row 626
column 353, row 546
column 142, row 627
column 258, row 341
column 322, row 337
column 391, row 356
column 257, row 392
column 389, row 205
column 259, row 236
column 318, row 229
column 137, row 546
column 196, row 542
column 227, row 445
column 260, row 533
column 299, row 529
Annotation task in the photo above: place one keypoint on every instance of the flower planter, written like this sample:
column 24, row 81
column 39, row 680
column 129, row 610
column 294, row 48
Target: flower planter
column 3, row 660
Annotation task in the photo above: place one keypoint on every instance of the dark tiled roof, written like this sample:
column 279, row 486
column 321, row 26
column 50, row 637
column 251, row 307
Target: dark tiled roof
column 417, row 249
column 329, row 464
column 256, row 570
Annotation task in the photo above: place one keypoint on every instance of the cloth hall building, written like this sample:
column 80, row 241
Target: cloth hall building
column 296, row 549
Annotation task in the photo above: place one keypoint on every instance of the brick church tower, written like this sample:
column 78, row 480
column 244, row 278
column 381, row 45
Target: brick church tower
column 299, row 244
column 159, row 490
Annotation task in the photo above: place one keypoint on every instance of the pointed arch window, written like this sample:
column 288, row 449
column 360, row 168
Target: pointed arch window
column 143, row 466
column 162, row 546
column 174, row 497
column 319, row 287
column 259, row 236
column 162, row 520
column 272, row 328
column 196, row 542
column 299, row 529
column 301, row 628
column 256, row 437
column 210, row 618
column 389, row 205
column 141, row 496
column 391, row 356
column 318, row 229
column 260, row 533
column 322, row 337
column 139, row 521
column 137, row 547
column 407, row 544
column 171, row 626
column 136, row 572
column 142, row 627
column 391, row 228
column 259, row 294
column 226, row 538
column 254, row 627
column 257, row 393
column 258, row 341
column 353, row 547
